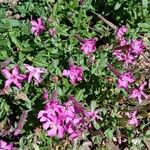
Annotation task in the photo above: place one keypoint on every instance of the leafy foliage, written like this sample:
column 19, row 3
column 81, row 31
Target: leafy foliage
column 74, row 21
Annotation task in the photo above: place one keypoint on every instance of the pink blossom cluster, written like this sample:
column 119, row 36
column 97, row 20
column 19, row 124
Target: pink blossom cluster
column 70, row 118
column 133, row 50
column 125, row 80
column 38, row 27
column 5, row 146
column 14, row 77
column 126, row 51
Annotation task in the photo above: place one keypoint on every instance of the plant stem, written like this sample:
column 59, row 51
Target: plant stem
column 106, row 21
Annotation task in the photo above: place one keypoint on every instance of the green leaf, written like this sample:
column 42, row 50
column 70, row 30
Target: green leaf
column 93, row 105
column 14, row 23
column 147, row 133
column 79, row 95
column 3, row 55
column 16, row 41
column 35, row 146
column 96, row 125
column 145, row 3
column 117, row 6
column 40, row 59
column 26, row 29
column 109, row 133
column 75, row 3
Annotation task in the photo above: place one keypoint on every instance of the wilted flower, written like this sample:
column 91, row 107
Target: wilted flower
column 37, row 26
column 21, row 123
column 35, row 73
column 133, row 119
column 88, row 46
column 138, row 93
column 75, row 73
column 52, row 32
column 125, row 79
column 5, row 146
column 13, row 77
column 81, row 1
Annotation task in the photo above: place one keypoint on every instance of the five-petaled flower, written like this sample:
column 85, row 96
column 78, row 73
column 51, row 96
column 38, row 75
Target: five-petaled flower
column 88, row 46
column 13, row 77
column 75, row 73
column 133, row 119
column 34, row 73
column 137, row 46
column 52, row 123
column 37, row 26
column 138, row 93
column 125, row 79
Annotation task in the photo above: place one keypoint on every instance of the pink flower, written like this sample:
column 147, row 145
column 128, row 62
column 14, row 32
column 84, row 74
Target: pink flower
column 52, row 123
column 75, row 118
column 35, row 73
column 13, row 77
column 119, row 54
column 45, row 94
column 88, row 46
column 137, row 46
column 124, row 53
column 75, row 74
column 5, row 146
column 133, row 119
column 75, row 126
column 58, row 119
column 52, row 119
column 69, row 118
column 125, row 79
column 94, row 115
column 138, row 93
column 52, row 32
column 121, row 31
column 127, row 57
column 37, row 26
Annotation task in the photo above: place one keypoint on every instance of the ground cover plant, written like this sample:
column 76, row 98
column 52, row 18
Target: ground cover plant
column 74, row 75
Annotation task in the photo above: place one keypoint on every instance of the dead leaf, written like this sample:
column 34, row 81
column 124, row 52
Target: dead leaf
column 111, row 145
column 21, row 96
column 147, row 143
